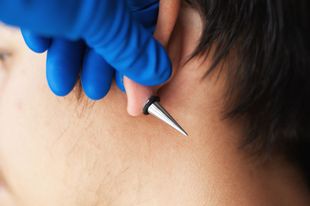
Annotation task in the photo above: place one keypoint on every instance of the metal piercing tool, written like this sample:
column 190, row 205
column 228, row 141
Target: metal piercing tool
column 153, row 107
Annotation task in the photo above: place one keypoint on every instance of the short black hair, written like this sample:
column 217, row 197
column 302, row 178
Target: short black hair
column 268, row 86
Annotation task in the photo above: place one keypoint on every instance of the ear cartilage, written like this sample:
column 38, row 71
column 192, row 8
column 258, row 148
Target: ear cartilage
column 154, row 108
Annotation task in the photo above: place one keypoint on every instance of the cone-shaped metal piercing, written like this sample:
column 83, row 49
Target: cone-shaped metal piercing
column 153, row 107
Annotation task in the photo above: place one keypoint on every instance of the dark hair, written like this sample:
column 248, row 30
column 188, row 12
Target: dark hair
column 269, row 85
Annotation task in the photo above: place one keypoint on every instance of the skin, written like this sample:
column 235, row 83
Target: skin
column 64, row 151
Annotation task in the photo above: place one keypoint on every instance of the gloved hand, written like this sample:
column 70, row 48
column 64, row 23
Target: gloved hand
column 110, row 32
column 69, row 57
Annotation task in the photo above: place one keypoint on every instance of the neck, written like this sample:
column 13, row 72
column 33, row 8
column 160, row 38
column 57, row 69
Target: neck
column 207, row 167
column 155, row 166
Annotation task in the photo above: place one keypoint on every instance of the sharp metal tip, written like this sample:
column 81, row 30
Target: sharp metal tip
column 159, row 112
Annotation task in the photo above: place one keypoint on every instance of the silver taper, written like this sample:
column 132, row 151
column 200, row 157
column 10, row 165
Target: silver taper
column 154, row 108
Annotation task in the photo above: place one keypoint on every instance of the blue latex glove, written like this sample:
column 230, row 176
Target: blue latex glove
column 96, row 75
column 109, row 30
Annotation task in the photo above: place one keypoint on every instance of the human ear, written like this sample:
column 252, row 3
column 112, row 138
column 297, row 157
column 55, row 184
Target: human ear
column 168, row 14
column 138, row 94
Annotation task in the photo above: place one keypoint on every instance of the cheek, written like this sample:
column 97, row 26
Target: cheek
column 27, row 133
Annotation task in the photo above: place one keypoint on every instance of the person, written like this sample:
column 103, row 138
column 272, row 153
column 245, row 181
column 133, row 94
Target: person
column 247, row 118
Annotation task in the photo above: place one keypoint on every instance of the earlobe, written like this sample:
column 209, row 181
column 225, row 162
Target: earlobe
column 168, row 14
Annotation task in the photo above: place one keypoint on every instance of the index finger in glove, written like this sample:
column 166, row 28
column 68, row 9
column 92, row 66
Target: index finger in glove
column 129, row 47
